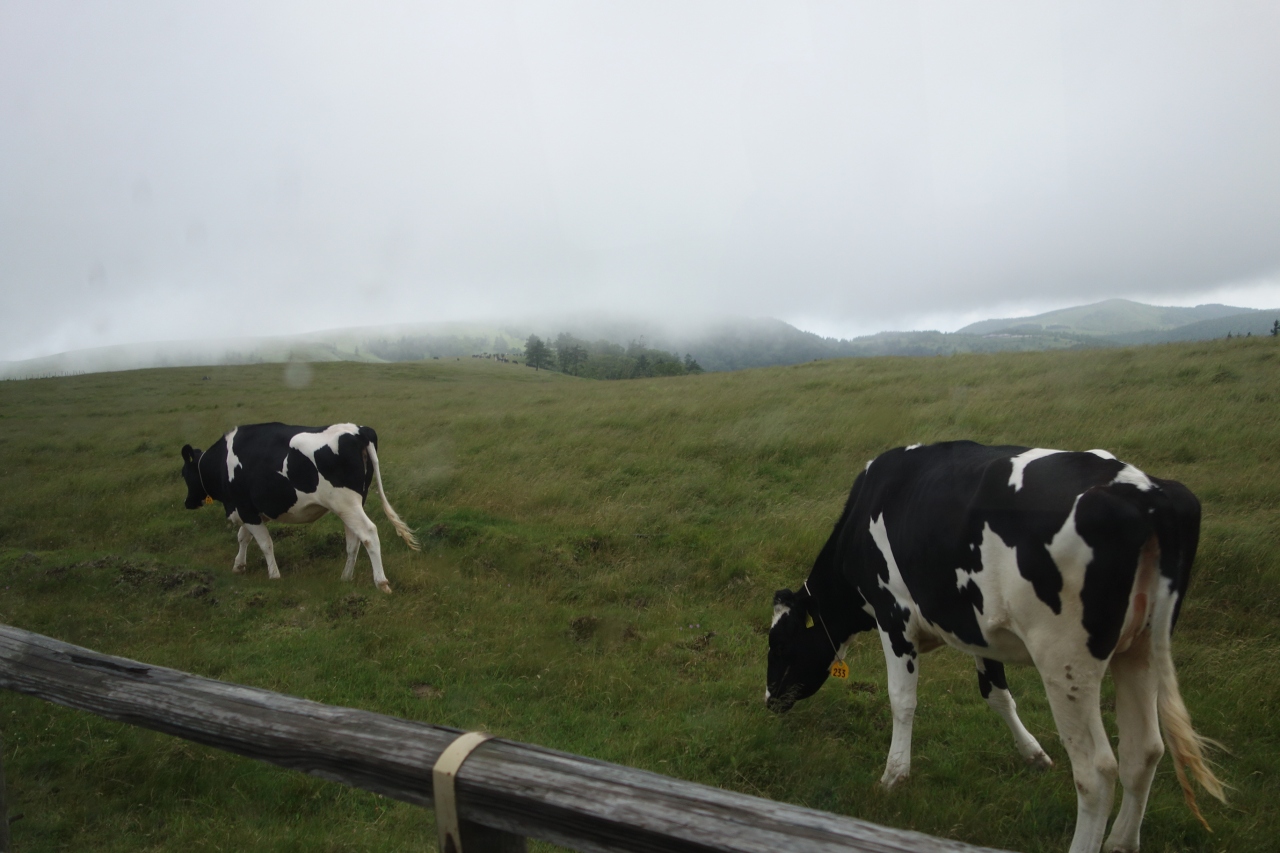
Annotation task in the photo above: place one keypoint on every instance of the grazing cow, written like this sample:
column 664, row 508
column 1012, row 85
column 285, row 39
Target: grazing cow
column 275, row 472
column 1069, row 561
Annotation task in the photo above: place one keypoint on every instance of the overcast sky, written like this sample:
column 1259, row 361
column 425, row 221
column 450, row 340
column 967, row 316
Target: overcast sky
column 193, row 170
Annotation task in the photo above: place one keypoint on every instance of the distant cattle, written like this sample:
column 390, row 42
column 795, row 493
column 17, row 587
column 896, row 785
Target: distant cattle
column 293, row 474
column 1073, row 562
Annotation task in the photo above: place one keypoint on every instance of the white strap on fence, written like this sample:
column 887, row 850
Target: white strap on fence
column 442, row 774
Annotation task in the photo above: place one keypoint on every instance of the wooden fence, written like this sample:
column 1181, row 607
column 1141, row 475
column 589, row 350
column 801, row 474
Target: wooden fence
column 505, row 792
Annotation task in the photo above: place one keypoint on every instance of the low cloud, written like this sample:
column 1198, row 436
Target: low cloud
column 190, row 172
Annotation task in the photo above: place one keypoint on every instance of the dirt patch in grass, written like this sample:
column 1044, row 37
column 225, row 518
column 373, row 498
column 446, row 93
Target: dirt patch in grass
column 327, row 545
column 349, row 607
column 140, row 575
column 701, row 642
column 583, row 628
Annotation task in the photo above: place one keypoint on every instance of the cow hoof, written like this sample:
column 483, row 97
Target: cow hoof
column 385, row 587
column 238, row 569
column 890, row 782
column 1040, row 761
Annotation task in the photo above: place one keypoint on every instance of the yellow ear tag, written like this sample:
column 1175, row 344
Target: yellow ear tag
column 808, row 621
column 840, row 669
column 207, row 500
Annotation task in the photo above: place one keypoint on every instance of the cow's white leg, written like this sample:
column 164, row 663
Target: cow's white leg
column 1140, row 743
column 263, row 538
column 353, row 549
column 353, row 516
column 903, row 675
column 242, row 555
column 1073, row 684
column 995, row 690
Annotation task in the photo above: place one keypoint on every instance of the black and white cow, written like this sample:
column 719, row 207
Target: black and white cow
column 1073, row 562
column 294, row 474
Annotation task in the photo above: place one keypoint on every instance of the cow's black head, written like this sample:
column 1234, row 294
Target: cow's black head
column 800, row 654
column 195, row 490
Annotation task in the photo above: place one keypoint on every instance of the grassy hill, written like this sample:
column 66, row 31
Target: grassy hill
column 1256, row 323
column 731, row 344
column 1109, row 317
column 766, row 343
column 599, row 563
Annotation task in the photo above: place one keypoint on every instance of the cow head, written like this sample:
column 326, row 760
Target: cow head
column 799, row 653
column 195, row 489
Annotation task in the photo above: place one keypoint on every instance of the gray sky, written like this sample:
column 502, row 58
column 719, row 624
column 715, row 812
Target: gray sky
column 172, row 171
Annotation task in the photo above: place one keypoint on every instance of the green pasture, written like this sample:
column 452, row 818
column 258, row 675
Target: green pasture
column 598, row 565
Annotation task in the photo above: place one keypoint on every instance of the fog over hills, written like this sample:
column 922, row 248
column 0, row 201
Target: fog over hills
column 1109, row 317
column 731, row 344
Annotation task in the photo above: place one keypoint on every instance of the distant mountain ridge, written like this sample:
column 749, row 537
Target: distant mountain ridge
column 728, row 345
column 1109, row 317
column 1237, row 325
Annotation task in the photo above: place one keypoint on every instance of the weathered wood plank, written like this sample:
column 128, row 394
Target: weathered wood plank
column 576, row 802
column 484, row 839
column 4, row 808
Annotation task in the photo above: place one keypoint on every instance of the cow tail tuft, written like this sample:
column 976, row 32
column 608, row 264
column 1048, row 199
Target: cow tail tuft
column 1187, row 746
column 401, row 528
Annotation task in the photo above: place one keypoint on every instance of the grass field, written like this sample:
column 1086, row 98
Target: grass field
column 598, row 565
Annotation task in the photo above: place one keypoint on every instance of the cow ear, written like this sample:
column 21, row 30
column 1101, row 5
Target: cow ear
column 793, row 601
column 187, row 453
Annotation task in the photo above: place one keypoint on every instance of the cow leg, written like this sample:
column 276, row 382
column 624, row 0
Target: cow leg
column 995, row 690
column 263, row 538
column 353, row 550
column 353, row 516
column 1073, row 684
column 242, row 555
column 1140, row 744
column 903, row 675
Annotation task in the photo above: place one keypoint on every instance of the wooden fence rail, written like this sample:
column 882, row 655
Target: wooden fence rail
column 506, row 791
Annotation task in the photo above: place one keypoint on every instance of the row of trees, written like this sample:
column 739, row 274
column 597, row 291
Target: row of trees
column 605, row 360
column 1273, row 332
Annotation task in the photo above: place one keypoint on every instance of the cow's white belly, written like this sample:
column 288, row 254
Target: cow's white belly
column 305, row 511
column 1002, row 645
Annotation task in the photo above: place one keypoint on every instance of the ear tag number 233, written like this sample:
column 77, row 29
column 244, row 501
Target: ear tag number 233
column 840, row 669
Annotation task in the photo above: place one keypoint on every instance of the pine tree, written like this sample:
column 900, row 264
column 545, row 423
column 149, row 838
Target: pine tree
column 536, row 353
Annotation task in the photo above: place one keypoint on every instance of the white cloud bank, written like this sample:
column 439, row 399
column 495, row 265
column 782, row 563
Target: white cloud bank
column 171, row 171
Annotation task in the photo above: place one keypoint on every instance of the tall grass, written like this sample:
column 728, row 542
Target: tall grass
column 597, row 576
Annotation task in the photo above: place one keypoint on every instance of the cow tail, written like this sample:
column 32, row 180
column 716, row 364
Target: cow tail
column 1187, row 746
column 403, row 529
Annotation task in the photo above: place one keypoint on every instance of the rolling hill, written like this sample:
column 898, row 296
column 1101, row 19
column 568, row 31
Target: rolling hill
column 731, row 344
column 1109, row 317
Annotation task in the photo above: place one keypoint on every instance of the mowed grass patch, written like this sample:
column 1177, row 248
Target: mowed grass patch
column 598, row 565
